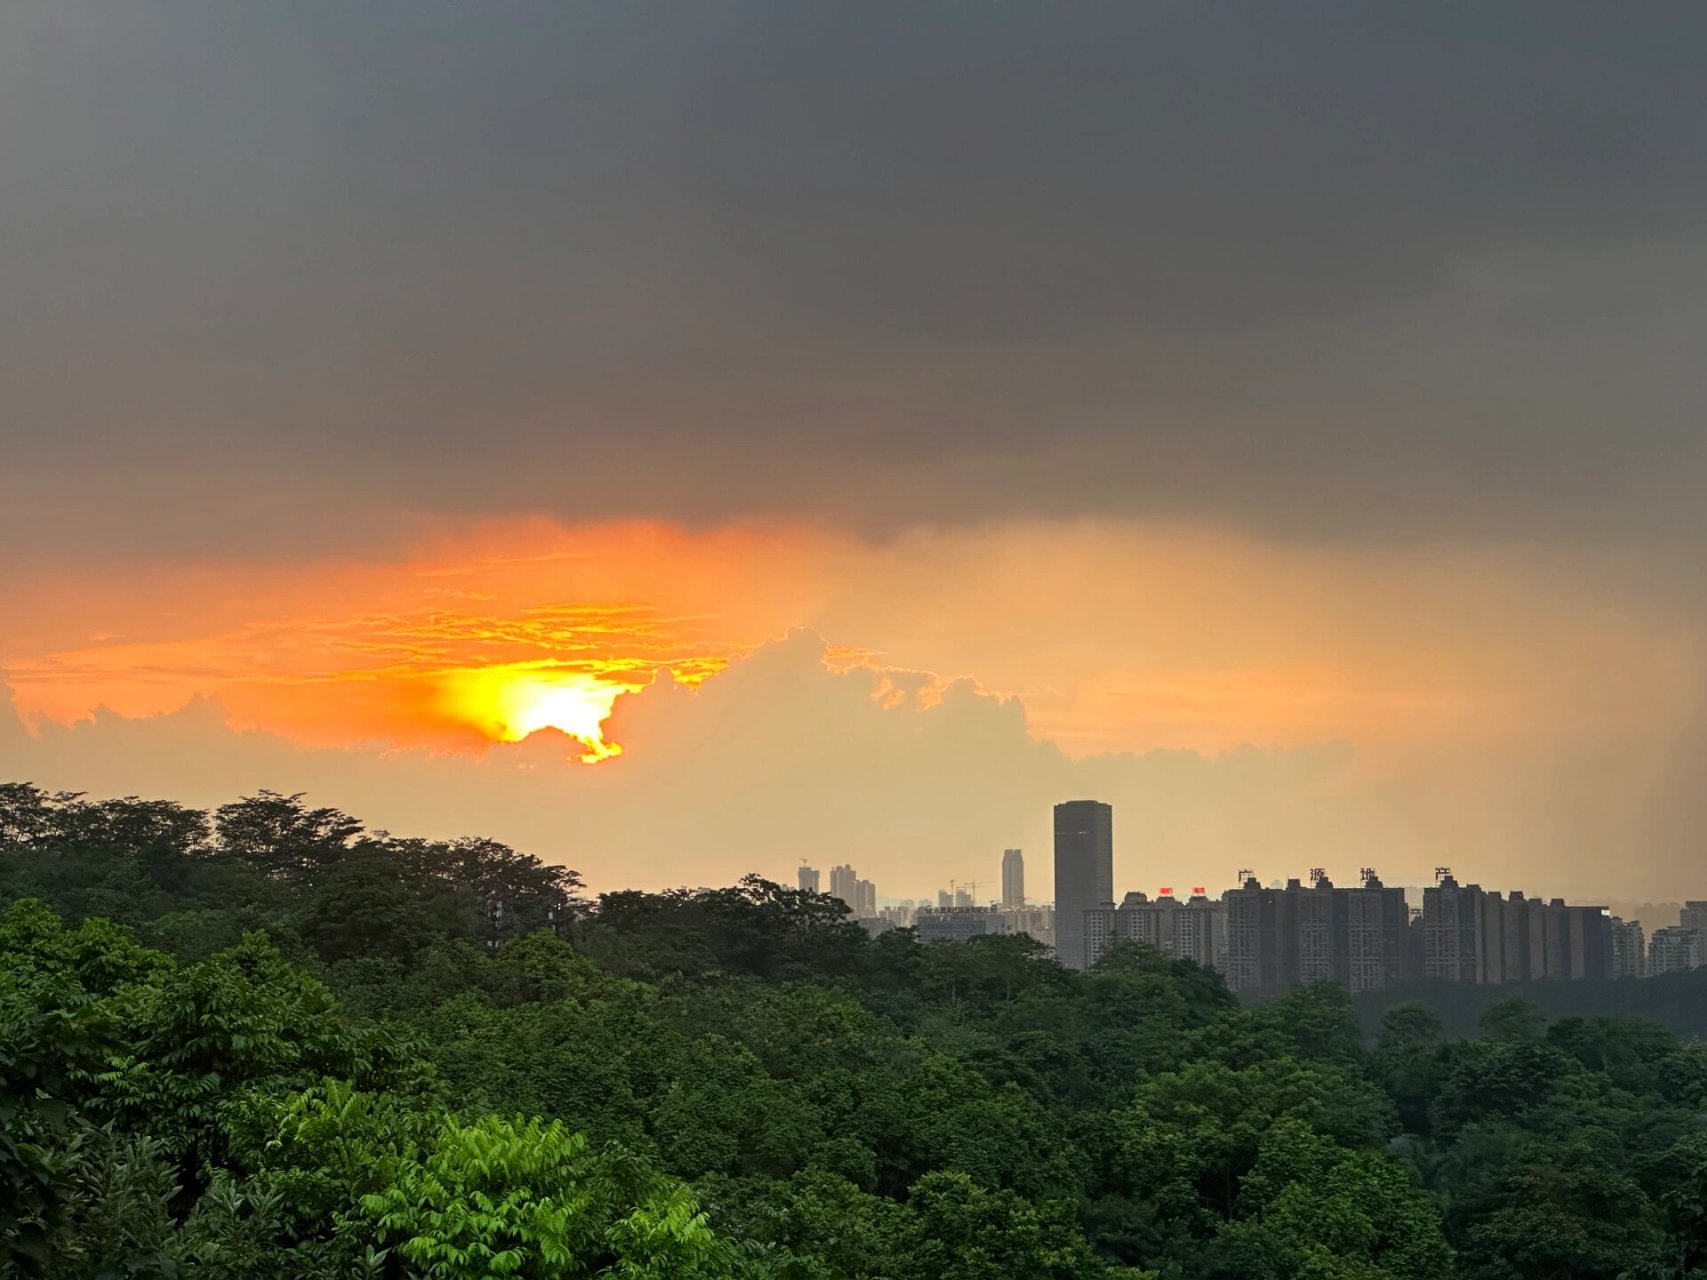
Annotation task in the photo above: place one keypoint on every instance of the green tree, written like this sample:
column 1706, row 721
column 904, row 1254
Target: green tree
column 953, row 1229
column 519, row 1198
column 1512, row 1018
column 1312, row 1208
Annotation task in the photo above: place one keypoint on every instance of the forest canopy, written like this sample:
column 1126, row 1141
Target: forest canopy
column 266, row 1040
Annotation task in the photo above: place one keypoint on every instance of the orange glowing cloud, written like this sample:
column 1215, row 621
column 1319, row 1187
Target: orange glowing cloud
column 1112, row 636
column 468, row 642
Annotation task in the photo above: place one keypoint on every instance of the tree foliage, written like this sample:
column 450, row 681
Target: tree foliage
column 270, row 1041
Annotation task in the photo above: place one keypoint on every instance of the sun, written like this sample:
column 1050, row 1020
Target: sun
column 508, row 703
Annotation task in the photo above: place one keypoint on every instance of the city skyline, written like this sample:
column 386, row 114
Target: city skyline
column 1365, row 936
column 996, row 885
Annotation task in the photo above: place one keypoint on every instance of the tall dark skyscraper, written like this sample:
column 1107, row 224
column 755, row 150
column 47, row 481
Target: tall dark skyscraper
column 1084, row 872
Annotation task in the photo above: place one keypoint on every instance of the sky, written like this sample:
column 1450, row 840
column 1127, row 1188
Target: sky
column 683, row 440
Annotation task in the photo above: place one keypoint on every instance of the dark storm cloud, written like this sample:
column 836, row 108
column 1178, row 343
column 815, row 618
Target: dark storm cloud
column 1315, row 268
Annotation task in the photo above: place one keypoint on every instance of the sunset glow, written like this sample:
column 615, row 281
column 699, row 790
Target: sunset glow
column 660, row 652
column 509, row 703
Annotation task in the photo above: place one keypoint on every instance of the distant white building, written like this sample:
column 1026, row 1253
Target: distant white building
column 844, row 884
column 1013, row 879
column 865, row 900
column 1675, row 949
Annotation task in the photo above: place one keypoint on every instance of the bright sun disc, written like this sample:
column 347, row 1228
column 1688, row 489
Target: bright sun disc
column 509, row 703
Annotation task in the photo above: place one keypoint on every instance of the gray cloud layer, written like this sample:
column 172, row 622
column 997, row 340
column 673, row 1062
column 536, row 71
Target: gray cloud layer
column 1317, row 268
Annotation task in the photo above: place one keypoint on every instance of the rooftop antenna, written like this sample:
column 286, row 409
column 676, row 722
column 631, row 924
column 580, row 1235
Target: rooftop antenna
column 1442, row 873
column 1317, row 875
column 1366, row 874
column 1246, row 873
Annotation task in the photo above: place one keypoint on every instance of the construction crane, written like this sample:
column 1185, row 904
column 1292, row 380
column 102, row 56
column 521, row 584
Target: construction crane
column 971, row 892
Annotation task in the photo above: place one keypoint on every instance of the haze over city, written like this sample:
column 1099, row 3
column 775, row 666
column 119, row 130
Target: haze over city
column 679, row 448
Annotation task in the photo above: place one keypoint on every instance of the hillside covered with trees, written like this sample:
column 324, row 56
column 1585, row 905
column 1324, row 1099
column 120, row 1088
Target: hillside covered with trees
column 268, row 1041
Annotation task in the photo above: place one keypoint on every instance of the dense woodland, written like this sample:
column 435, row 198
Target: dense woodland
column 268, row 1041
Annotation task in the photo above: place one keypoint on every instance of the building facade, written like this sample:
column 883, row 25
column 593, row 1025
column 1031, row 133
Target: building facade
column 1629, row 954
column 1084, row 873
column 809, row 879
column 1676, row 949
column 1470, row 934
column 1195, row 929
column 1013, row 879
column 957, row 924
column 843, row 882
column 1359, row 937
column 865, row 900
column 1453, row 929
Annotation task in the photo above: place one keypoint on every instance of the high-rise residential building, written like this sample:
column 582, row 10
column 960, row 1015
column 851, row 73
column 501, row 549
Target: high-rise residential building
column 1317, row 938
column 865, row 900
column 1629, row 956
column 1372, row 934
column 1193, row 930
column 1521, row 938
column 844, row 882
column 1254, row 937
column 1364, row 937
column 944, row 899
column 1474, row 935
column 809, row 879
column 1200, row 931
column 1693, row 916
column 1098, row 929
column 1588, row 945
column 1675, row 949
column 1359, row 937
column 1013, row 879
column 1084, row 873
column 1453, row 930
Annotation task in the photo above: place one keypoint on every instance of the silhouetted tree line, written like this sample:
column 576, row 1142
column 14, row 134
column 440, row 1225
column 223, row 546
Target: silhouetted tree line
column 266, row 1041
column 316, row 880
